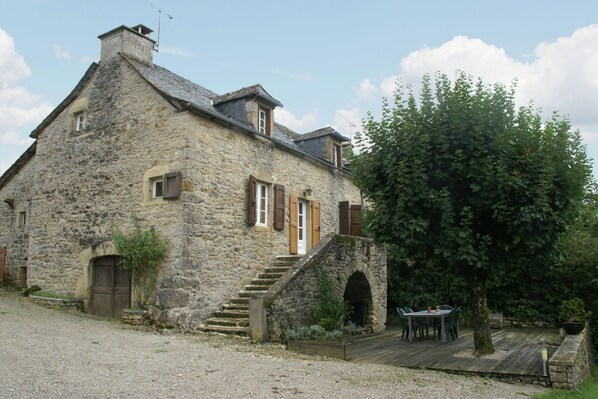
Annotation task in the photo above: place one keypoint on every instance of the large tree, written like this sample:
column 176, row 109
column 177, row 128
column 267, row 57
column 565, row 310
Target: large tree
column 463, row 179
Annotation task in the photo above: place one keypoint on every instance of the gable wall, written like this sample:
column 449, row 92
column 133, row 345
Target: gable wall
column 88, row 181
column 13, row 237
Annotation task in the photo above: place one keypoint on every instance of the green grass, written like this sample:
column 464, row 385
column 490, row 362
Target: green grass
column 587, row 390
column 48, row 294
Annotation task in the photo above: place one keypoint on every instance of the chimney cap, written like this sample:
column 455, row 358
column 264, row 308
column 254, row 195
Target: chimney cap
column 140, row 30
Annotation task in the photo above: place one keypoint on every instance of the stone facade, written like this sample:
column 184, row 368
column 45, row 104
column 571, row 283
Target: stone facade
column 81, row 182
column 358, row 265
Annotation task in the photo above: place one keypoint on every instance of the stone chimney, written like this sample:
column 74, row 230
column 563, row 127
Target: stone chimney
column 133, row 42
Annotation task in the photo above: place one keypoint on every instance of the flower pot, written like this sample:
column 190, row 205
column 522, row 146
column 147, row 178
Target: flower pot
column 573, row 327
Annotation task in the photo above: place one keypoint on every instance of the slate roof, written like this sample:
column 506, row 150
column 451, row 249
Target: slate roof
column 252, row 91
column 325, row 131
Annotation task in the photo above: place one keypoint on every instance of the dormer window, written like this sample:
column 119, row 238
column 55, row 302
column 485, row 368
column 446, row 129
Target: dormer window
column 337, row 158
column 264, row 121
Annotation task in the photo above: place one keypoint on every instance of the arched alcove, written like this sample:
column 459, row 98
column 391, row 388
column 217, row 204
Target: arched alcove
column 359, row 294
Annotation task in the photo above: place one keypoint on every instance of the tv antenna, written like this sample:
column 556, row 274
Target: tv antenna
column 351, row 125
column 160, row 12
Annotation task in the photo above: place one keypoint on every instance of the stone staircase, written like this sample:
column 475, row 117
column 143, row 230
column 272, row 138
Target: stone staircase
column 233, row 317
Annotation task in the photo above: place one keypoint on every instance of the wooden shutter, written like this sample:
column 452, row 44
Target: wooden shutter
column 251, row 201
column 278, row 207
column 2, row 258
column 343, row 217
column 172, row 185
column 356, row 220
column 315, row 222
column 293, row 201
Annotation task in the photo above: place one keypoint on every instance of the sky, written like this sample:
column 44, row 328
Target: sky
column 329, row 62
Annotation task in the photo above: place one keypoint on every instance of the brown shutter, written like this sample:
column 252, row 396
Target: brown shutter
column 315, row 222
column 2, row 257
column 356, row 220
column 172, row 185
column 293, row 224
column 278, row 207
column 251, row 204
column 343, row 217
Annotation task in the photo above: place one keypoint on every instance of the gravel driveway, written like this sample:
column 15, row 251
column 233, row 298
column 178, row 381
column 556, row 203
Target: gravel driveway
column 52, row 354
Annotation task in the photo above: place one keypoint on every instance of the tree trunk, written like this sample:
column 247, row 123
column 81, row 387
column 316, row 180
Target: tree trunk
column 482, row 338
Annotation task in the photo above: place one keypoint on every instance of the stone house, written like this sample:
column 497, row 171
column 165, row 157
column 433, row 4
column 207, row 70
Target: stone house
column 229, row 187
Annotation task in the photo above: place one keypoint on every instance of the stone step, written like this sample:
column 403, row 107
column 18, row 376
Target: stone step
column 236, row 306
column 228, row 321
column 235, row 314
column 242, row 300
column 268, row 276
column 263, row 281
column 254, row 288
column 242, row 331
column 288, row 258
column 277, row 269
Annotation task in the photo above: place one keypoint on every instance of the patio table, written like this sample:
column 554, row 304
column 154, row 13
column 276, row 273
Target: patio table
column 441, row 314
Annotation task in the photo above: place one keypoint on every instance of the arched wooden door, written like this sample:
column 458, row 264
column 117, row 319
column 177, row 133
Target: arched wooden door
column 110, row 288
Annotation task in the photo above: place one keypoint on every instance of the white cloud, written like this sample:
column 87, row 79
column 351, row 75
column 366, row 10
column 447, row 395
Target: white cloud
column 13, row 138
column 366, row 90
column 61, row 54
column 7, row 162
column 304, row 123
column 305, row 76
column 348, row 121
column 177, row 51
column 18, row 108
column 388, row 85
column 12, row 65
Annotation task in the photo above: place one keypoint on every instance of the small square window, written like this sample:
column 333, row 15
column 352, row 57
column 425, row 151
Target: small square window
column 157, row 188
column 22, row 218
column 79, row 121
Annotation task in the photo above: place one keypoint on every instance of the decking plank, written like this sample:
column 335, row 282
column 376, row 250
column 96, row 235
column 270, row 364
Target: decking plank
column 520, row 347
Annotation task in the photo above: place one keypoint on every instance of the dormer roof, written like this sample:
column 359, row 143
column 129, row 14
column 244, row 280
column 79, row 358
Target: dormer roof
column 256, row 91
column 324, row 131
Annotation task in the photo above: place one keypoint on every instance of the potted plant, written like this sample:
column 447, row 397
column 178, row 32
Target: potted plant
column 574, row 315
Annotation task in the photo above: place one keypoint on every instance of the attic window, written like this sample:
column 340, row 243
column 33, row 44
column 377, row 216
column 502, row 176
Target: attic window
column 336, row 155
column 264, row 121
column 79, row 121
column 157, row 187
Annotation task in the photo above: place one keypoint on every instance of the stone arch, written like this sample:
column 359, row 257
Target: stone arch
column 358, row 293
column 86, row 259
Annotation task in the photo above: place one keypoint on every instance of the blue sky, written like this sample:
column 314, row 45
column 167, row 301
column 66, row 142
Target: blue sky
column 328, row 62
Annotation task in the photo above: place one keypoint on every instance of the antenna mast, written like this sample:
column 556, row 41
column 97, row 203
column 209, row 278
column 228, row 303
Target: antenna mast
column 350, row 126
column 157, row 45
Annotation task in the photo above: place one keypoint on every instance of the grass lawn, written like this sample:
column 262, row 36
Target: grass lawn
column 587, row 390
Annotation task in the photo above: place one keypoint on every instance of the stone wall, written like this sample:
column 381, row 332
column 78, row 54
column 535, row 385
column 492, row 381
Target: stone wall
column 571, row 363
column 81, row 183
column 287, row 303
column 16, row 197
column 57, row 303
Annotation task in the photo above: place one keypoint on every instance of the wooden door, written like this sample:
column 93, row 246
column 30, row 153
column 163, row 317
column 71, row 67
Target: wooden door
column 111, row 288
column 343, row 217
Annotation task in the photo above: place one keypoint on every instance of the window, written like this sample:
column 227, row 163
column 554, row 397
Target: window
column 22, row 218
column 337, row 159
column 79, row 121
column 264, row 121
column 157, row 187
column 261, row 204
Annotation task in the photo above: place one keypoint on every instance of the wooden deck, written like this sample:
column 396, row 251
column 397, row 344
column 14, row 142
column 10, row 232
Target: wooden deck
column 517, row 356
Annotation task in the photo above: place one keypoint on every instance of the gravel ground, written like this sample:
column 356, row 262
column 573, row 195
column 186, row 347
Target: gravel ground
column 46, row 353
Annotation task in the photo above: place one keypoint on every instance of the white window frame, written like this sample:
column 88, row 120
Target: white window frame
column 155, row 182
column 262, row 119
column 261, row 202
column 336, row 152
column 79, row 121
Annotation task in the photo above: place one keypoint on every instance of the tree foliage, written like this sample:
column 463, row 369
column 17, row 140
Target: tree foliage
column 465, row 181
column 142, row 253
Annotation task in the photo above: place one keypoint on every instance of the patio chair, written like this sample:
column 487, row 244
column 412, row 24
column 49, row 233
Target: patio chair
column 446, row 307
column 405, row 324
column 449, row 326
column 422, row 321
column 456, row 323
